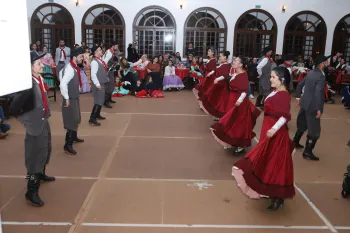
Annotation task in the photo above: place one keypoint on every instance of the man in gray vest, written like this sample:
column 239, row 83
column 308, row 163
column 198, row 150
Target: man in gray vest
column 99, row 79
column 311, row 107
column 288, row 62
column 264, row 70
column 109, row 58
column 70, row 80
column 32, row 109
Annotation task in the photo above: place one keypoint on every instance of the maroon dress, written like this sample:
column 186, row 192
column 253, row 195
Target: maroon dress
column 214, row 101
column 267, row 170
column 235, row 128
column 203, row 86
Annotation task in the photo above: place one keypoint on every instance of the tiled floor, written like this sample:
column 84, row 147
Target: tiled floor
column 153, row 166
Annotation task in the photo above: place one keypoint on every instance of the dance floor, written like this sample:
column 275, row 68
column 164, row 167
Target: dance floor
column 154, row 167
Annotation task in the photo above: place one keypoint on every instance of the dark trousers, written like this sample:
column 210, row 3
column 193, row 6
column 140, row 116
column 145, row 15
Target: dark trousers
column 307, row 121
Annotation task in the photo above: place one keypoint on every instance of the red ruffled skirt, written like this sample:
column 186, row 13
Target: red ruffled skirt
column 267, row 170
column 214, row 101
column 235, row 128
column 207, row 83
column 144, row 94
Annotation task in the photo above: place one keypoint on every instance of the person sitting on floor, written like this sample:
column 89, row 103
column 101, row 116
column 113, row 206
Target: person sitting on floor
column 119, row 91
column 4, row 127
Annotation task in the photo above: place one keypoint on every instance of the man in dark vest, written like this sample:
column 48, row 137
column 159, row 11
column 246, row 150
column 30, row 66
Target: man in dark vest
column 288, row 62
column 264, row 70
column 311, row 107
column 70, row 80
column 110, row 59
column 32, row 109
column 99, row 79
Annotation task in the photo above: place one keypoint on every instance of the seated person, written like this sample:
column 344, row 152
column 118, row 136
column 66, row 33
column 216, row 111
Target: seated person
column 142, row 62
column 149, row 89
column 171, row 80
column 119, row 89
column 346, row 97
column 329, row 94
column 195, row 72
column 4, row 127
column 127, row 73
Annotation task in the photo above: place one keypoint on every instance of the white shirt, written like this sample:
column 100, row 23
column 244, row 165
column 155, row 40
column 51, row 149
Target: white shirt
column 139, row 62
column 169, row 71
column 62, row 54
column 68, row 75
column 94, row 69
column 107, row 56
column 261, row 65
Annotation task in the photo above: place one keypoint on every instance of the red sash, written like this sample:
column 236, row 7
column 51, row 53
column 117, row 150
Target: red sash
column 77, row 69
column 103, row 63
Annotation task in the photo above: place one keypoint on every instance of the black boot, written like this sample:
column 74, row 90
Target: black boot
column 93, row 116
column 46, row 178
column 297, row 138
column 110, row 99
column 276, row 203
column 106, row 103
column 98, row 116
column 68, row 147
column 32, row 194
column 258, row 101
column 75, row 138
column 346, row 184
column 310, row 145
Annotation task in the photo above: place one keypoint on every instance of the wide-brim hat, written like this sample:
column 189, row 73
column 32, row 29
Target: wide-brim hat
column 76, row 52
column 35, row 56
column 321, row 58
column 93, row 49
column 267, row 49
column 289, row 57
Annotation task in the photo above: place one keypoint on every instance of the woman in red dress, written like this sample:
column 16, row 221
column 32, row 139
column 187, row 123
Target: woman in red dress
column 214, row 101
column 235, row 128
column 209, row 75
column 267, row 170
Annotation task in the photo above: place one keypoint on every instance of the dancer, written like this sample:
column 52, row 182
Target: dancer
column 214, row 101
column 32, row 109
column 235, row 128
column 209, row 75
column 99, row 79
column 71, row 81
column 311, row 107
column 264, row 70
column 109, row 58
column 267, row 170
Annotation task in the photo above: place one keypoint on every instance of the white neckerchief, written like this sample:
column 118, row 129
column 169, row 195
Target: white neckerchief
column 270, row 95
column 233, row 76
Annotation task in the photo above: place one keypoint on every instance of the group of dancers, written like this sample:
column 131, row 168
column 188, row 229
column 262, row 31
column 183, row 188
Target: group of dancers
column 267, row 169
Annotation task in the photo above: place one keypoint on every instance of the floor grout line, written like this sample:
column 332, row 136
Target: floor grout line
column 85, row 208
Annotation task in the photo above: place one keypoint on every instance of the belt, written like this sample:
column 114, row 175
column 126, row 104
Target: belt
column 271, row 115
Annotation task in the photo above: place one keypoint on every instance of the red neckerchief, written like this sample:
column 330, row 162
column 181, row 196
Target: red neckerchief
column 268, row 57
column 77, row 69
column 43, row 89
column 103, row 63
column 64, row 53
column 287, row 64
column 112, row 52
column 232, row 71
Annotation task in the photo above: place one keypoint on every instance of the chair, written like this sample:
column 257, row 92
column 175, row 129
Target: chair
column 51, row 77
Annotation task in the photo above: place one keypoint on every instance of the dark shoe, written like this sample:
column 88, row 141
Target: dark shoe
column 276, row 203
column 238, row 151
column 110, row 99
column 76, row 139
column 68, row 147
column 310, row 145
column 46, row 178
column 94, row 115
column 98, row 116
column 258, row 101
column 32, row 194
column 297, row 138
column 107, row 105
column 346, row 184
column 348, row 143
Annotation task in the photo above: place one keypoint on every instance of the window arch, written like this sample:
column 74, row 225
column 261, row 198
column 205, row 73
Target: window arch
column 154, row 31
column 255, row 29
column 103, row 22
column 305, row 34
column 341, row 37
column 51, row 23
column 205, row 27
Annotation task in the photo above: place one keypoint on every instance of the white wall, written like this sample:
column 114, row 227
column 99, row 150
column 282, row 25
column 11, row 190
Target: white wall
column 331, row 11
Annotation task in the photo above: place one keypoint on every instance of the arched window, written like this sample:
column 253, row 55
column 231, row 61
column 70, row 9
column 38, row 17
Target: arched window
column 341, row 37
column 51, row 23
column 154, row 31
column 305, row 35
column 103, row 23
column 205, row 27
column 255, row 30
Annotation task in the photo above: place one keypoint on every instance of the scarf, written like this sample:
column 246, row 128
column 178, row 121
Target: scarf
column 103, row 63
column 43, row 89
column 64, row 53
column 268, row 57
column 77, row 69
column 286, row 64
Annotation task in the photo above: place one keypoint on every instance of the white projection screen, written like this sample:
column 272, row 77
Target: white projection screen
column 15, row 68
